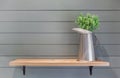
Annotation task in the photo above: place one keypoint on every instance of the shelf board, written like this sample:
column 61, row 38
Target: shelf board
column 56, row 62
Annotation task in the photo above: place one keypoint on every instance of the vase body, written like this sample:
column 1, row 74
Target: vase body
column 86, row 49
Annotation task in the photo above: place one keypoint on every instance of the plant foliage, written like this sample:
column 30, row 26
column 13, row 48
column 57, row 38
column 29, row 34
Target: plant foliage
column 89, row 22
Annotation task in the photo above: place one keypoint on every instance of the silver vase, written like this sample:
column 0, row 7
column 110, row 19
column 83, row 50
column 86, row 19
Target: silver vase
column 86, row 50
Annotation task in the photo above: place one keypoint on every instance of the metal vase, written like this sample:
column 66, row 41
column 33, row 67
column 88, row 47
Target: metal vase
column 86, row 49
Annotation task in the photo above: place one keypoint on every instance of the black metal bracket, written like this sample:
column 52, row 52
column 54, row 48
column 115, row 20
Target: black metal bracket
column 24, row 70
column 90, row 70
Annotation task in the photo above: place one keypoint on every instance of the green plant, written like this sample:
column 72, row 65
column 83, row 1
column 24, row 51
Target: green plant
column 89, row 22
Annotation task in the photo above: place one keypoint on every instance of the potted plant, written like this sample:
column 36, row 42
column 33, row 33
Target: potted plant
column 87, row 24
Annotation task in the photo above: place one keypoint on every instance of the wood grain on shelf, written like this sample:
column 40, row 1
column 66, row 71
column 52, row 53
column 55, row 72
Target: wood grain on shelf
column 56, row 62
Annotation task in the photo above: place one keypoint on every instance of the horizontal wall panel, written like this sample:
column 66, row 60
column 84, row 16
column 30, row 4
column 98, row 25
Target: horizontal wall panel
column 58, row 73
column 54, row 39
column 39, row 39
column 109, row 27
column 55, row 15
column 58, row 44
column 56, row 50
column 107, row 50
column 108, row 38
column 56, row 4
column 37, row 26
column 45, row 27
column 38, row 49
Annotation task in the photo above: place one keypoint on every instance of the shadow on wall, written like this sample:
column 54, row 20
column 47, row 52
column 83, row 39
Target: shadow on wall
column 64, row 72
column 100, row 51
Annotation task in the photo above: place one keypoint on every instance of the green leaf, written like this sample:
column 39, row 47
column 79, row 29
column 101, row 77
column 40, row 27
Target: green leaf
column 89, row 22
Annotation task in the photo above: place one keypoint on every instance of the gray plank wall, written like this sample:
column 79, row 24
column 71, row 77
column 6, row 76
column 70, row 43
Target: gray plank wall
column 42, row 29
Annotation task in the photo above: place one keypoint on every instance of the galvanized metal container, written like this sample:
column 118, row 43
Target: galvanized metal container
column 86, row 49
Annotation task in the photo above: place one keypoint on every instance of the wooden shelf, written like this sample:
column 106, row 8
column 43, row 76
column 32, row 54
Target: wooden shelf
column 56, row 62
